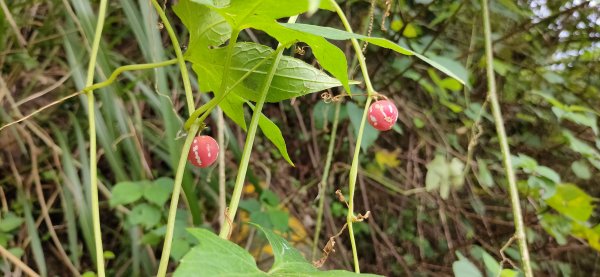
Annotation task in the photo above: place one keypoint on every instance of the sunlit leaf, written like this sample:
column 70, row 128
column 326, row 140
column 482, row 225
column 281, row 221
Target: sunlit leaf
column 337, row 34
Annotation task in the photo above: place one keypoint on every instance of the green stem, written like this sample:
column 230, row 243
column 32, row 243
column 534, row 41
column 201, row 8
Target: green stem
column 220, row 94
column 90, row 89
column 324, row 178
column 124, row 68
column 166, row 250
column 503, row 140
column 354, row 167
column 241, row 175
column 92, row 125
column 187, row 87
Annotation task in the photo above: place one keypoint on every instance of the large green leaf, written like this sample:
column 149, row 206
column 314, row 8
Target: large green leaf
column 206, row 27
column 336, row 34
column 214, row 256
column 329, row 56
column 293, row 77
column 241, row 13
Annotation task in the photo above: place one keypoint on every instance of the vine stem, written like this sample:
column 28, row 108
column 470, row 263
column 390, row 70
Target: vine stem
column 92, row 136
column 187, row 87
column 354, row 167
column 102, row 84
column 241, row 174
column 503, row 140
column 324, row 179
column 166, row 251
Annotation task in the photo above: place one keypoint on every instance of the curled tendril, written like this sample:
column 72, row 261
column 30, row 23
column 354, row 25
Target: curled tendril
column 328, row 97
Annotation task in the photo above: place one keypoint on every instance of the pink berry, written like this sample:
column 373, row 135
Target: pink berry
column 383, row 115
column 204, row 151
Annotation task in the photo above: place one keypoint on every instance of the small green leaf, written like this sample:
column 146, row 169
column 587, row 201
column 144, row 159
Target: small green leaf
column 437, row 173
column 581, row 169
column 269, row 197
column 126, row 193
column 491, row 264
column 145, row 215
column 456, row 168
column 485, row 176
column 548, row 173
column 10, row 222
column 109, row 255
column 451, row 84
column 464, row 267
column 17, row 251
column 509, row 273
column 250, row 205
column 159, row 191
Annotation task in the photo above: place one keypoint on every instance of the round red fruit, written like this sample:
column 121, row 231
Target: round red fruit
column 204, row 151
column 383, row 115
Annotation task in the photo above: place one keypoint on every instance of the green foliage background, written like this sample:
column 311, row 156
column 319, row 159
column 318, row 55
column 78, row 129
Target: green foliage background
column 435, row 209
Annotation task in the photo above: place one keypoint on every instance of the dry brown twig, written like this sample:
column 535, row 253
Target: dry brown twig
column 330, row 246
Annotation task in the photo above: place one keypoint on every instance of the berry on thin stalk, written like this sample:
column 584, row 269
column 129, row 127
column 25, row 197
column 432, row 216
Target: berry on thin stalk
column 383, row 115
column 203, row 151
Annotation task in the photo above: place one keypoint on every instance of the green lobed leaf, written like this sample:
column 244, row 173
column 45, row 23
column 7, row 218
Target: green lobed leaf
column 273, row 133
column 293, row 77
column 145, row 215
column 159, row 191
column 336, row 34
column 126, row 193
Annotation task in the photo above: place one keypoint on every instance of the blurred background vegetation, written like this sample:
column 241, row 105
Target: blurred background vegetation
column 434, row 185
